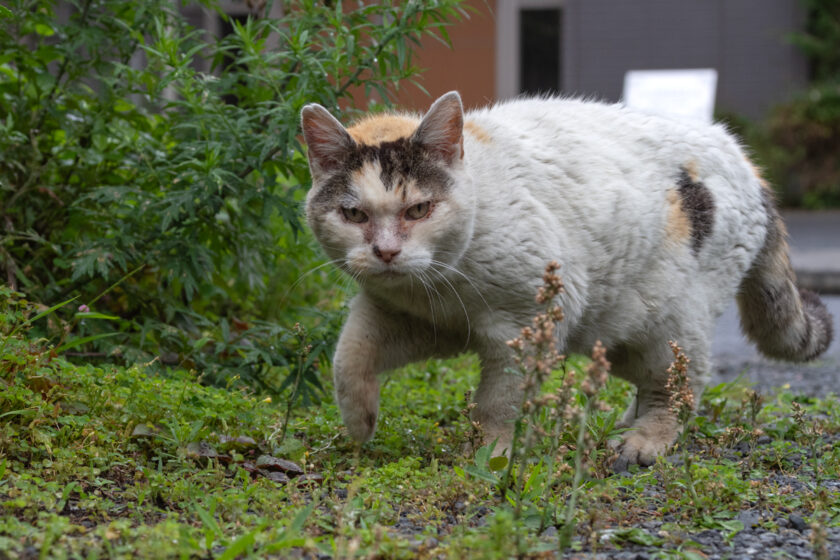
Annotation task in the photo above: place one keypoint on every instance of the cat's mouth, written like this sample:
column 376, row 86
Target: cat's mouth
column 391, row 273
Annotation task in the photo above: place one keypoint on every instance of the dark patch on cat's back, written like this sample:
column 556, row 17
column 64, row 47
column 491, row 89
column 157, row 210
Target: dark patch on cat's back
column 699, row 205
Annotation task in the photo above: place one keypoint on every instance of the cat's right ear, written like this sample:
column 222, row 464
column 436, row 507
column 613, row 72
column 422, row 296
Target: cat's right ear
column 328, row 141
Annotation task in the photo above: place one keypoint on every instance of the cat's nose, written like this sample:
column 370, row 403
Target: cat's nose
column 386, row 255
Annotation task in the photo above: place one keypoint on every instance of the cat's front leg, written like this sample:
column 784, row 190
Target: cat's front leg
column 498, row 399
column 372, row 341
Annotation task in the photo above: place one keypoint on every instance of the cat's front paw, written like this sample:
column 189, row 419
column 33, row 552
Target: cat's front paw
column 361, row 424
column 359, row 405
column 649, row 437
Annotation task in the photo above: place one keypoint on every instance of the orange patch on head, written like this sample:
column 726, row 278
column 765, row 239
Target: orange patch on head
column 677, row 226
column 477, row 132
column 377, row 129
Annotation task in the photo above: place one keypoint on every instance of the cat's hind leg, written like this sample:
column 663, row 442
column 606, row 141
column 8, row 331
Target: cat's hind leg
column 652, row 426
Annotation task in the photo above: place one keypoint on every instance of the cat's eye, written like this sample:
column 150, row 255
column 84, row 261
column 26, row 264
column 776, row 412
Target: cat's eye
column 418, row 211
column 354, row 215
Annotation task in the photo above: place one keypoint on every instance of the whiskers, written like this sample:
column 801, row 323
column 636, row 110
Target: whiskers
column 430, row 289
column 439, row 269
column 344, row 283
column 446, row 288
column 449, row 267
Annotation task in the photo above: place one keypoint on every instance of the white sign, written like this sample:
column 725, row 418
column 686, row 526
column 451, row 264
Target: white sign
column 687, row 94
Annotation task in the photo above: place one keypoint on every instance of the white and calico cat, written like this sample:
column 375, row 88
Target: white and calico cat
column 447, row 223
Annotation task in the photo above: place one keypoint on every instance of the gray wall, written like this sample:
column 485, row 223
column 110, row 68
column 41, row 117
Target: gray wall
column 745, row 40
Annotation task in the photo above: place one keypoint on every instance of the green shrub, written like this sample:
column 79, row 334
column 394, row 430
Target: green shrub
column 800, row 141
column 169, row 196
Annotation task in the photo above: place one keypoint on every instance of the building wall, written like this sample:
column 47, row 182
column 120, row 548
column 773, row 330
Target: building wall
column 468, row 67
column 743, row 39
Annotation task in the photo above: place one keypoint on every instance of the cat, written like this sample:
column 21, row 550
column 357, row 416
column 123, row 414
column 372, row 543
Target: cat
column 448, row 221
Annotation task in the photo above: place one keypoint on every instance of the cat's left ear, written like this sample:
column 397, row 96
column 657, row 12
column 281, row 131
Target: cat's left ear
column 442, row 129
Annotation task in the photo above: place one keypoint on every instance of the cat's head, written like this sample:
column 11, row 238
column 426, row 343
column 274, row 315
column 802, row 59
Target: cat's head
column 390, row 196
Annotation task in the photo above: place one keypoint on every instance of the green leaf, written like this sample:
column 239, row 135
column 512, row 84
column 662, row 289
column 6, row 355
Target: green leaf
column 240, row 545
column 51, row 309
column 208, row 520
column 498, row 463
column 43, row 29
column 84, row 340
column 95, row 315
column 481, row 474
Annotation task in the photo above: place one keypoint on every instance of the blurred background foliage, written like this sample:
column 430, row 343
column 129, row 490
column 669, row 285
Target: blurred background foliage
column 798, row 144
column 168, row 199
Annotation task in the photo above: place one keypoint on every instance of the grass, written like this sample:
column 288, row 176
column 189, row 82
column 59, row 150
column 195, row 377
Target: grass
column 113, row 462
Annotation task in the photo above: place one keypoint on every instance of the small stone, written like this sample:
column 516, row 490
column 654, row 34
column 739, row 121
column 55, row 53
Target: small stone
column 200, row 450
column 270, row 463
column 310, row 478
column 275, row 476
column 238, row 443
column 551, row 532
column 250, row 467
column 764, row 440
column 769, row 539
column 797, row 522
column 748, row 518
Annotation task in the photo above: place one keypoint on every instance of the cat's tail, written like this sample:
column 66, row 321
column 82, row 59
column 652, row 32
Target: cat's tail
column 785, row 322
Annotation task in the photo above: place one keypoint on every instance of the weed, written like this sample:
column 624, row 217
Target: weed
column 544, row 421
column 681, row 402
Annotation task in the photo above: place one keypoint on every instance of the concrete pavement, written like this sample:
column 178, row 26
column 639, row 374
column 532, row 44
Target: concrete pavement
column 815, row 248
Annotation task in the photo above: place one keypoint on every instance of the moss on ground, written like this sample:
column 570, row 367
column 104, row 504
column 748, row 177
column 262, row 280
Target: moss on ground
column 106, row 461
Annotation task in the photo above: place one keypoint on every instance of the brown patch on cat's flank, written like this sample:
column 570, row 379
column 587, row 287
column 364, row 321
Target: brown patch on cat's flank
column 699, row 205
column 477, row 132
column 677, row 226
column 692, row 171
column 377, row 129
